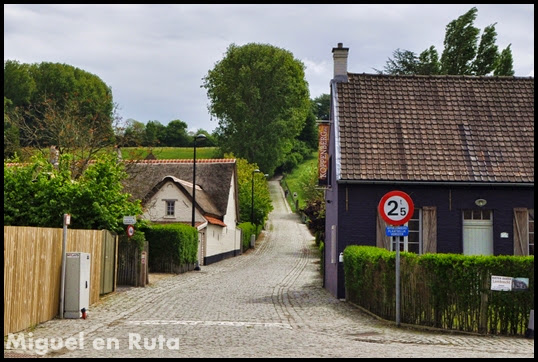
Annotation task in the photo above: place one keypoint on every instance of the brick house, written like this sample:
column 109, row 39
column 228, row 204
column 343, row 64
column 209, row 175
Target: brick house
column 462, row 147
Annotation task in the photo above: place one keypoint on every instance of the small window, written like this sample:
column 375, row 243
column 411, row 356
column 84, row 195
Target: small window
column 170, row 208
column 477, row 215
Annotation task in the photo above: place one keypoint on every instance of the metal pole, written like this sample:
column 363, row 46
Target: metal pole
column 62, row 278
column 252, row 199
column 193, row 183
column 397, row 241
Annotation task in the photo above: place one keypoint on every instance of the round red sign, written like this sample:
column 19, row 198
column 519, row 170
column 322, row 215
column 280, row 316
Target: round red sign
column 396, row 207
column 130, row 230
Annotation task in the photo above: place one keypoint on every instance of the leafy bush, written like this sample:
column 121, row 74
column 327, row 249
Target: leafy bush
column 171, row 247
column 248, row 229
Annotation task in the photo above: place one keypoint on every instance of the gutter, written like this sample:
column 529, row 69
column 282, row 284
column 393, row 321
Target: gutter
column 433, row 183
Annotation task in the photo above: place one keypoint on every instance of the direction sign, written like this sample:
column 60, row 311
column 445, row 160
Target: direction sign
column 129, row 220
column 396, row 207
column 397, row 231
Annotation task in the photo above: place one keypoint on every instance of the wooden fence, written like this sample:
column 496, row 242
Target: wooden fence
column 32, row 271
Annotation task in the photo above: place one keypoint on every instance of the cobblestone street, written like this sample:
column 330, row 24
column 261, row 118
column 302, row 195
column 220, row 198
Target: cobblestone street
column 268, row 302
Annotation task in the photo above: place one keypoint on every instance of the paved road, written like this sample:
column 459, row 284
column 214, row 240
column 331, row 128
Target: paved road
column 267, row 302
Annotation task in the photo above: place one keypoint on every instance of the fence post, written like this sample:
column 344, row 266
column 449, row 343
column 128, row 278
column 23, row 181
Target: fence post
column 484, row 290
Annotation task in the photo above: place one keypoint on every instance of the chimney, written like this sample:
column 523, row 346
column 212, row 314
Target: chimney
column 340, row 63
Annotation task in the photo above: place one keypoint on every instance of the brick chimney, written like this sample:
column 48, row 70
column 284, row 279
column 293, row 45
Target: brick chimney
column 340, row 63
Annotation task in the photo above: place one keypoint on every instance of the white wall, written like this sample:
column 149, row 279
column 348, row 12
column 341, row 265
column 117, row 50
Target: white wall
column 156, row 207
column 224, row 239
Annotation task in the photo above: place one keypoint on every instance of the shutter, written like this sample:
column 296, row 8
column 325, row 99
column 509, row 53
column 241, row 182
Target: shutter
column 382, row 240
column 429, row 229
column 521, row 232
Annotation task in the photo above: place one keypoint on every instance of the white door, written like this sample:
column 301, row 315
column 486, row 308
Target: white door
column 477, row 232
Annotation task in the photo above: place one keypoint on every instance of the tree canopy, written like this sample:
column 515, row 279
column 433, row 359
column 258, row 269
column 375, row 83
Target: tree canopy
column 260, row 96
column 465, row 53
column 56, row 104
column 38, row 194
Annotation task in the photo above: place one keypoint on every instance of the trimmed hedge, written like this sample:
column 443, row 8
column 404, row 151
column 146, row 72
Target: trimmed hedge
column 448, row 291
column 172, row 247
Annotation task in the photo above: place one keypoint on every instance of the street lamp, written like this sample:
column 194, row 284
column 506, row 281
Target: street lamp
column 252, row 199
column 200, row 137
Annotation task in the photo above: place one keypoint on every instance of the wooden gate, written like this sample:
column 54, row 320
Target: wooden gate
column 108, row 261
column 132, row 264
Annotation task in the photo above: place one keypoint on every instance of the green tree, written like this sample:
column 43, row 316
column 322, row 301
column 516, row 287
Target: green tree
column 155, row 133
column 505, row 66
column 176, row 134
column 460, row 44
column 262, row 198
column 57, row 104
column 11, row 132
column 260, row 96
column 428, row 62
column 322, row 106
column 38, row 194
column 487, row 53
column 134, row 133
column 462, row 54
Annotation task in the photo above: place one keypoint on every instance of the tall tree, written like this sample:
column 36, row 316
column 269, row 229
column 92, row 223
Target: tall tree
column 460, row 44
column 176, row 134
column 487, row 53
column 428, row 62
column 260, row 96
column 155, row 133
column 58, row 104
column 322, row 106
column 505, row 65
column 462, row 54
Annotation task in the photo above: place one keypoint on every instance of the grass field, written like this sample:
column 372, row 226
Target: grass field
column 168, row 153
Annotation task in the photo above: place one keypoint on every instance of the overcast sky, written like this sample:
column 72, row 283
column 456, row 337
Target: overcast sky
column 154, row 57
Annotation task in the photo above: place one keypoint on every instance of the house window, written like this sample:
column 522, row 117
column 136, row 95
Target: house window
column 477, row 215
column 412, row 242
column 170, row 207
column 531, row 231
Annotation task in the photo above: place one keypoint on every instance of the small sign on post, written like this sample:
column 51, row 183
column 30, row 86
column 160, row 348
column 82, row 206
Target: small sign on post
column 129, row 220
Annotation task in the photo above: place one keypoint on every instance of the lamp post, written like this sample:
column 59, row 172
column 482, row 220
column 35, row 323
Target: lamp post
column 200, row 137
column 252, row 199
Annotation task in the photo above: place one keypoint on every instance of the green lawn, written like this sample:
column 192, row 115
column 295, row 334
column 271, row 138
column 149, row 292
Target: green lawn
column 295, row 179
column 168, row 153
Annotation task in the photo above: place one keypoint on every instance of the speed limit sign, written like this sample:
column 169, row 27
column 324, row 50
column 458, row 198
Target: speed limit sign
column 396, row 207
column 130, row 230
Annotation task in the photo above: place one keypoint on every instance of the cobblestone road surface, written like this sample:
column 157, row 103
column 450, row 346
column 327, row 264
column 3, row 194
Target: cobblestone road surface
column 267, row 302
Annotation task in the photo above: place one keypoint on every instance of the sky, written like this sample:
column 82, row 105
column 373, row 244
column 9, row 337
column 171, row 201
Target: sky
column 154, row 56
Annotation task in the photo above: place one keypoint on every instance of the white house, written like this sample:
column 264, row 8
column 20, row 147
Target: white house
column 165, row 188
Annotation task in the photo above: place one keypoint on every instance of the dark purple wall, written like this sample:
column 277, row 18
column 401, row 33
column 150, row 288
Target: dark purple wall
column 356, row 224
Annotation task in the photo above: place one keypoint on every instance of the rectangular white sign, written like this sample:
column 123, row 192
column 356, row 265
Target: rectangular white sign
column 501, row 283
column 129, row 220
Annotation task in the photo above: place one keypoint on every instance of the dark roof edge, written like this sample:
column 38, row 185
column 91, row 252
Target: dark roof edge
column 436, row 183
column 455, row 76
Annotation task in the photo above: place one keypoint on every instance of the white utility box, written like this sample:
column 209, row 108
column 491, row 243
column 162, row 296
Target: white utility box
column 77, row 284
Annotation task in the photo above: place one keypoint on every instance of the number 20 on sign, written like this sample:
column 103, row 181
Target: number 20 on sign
column 396, row 207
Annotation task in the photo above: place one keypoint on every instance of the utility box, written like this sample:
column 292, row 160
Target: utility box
column 77, row 284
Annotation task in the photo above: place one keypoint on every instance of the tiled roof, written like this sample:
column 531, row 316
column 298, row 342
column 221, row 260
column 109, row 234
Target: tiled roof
column 214, row 220
column 436, row 128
